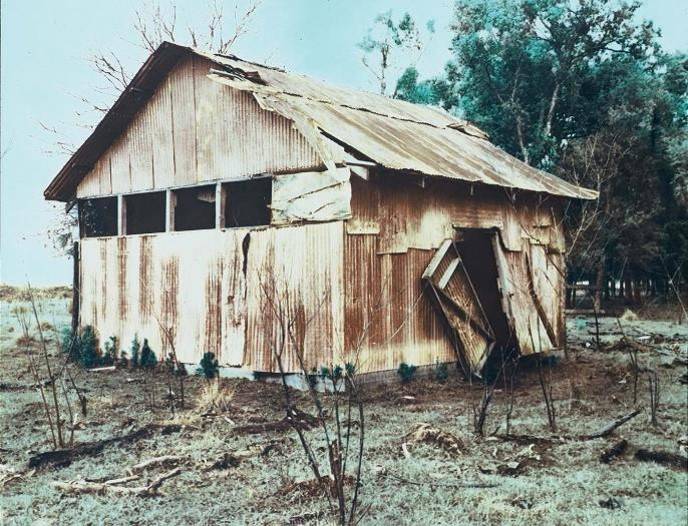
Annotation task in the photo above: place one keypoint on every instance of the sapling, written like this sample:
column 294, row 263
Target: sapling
column 148, row 359
column 406, row 372
column 208, row 366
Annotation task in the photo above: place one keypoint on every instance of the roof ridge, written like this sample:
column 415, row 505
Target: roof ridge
column 453, row 126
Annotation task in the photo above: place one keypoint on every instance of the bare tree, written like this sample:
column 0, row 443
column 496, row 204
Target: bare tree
column 153, row 24
column 345, row 398
column 55, row 400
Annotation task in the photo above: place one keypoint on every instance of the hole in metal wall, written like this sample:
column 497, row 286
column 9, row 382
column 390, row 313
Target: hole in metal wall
column 248, row 202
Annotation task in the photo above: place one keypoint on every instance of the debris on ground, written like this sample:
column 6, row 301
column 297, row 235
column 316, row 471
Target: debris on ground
column 613, row 452
column 611, row 503
column 423, row 433
column 663, row 457
column 297, row 418
column 112, row 486
column 629, row 315
column 312, row 487
column 64, row 457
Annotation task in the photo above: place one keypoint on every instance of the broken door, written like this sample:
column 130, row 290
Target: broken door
column 454, row 296
column 530, row 296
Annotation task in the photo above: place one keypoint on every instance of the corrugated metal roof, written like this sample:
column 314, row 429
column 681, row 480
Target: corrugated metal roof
column 395, row 134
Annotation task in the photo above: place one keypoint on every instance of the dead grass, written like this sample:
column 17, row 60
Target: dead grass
column 10, row 293
column 216, row 396
column 537, row 478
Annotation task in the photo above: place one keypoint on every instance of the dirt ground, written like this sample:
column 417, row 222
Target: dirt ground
column 557, row 479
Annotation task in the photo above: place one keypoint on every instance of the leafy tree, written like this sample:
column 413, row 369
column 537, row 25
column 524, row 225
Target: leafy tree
column 582, row 89
column 523, row 66
column 385, row 39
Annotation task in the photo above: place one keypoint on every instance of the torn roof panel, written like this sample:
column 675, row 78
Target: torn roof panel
column 395, row 134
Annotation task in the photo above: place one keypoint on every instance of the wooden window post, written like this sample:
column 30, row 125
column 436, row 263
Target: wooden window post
column 220, row 199
column 121, row 215
column 170, row 205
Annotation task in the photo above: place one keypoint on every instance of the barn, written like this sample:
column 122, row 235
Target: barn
column 216, row 189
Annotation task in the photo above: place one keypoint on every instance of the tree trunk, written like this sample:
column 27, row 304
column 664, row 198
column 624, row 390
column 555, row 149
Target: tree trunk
column 599, row 282
column 75, row 288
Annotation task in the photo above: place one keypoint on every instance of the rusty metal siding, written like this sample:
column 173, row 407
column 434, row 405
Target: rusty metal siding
column 193, row 130
column 390, row 239
column 199, row 284
column 388, row 319
column 301, row 267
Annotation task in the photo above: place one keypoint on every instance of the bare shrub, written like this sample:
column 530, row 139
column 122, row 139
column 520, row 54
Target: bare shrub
column 480, row 409
column 655, row 394
column 50, row 378
column 340, row 413
column 545, row 379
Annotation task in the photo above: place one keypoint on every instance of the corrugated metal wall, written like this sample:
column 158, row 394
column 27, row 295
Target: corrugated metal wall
column 194, row 130
column 199, row 284
column 388, row 320
column 395, row 228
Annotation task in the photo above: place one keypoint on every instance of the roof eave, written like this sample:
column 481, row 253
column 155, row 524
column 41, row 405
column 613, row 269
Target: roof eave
column 159, row 63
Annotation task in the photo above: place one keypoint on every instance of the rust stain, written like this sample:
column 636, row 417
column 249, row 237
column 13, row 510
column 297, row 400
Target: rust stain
column 122, row 276
column 170, row 271
column 103, row 276
column 145, row 275
column 213, row 309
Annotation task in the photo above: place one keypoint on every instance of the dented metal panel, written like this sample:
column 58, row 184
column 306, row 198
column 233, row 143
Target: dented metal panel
column 449, row 287
column 388, row 319
column 190, row 282
column 311, row 196
column 515, row 272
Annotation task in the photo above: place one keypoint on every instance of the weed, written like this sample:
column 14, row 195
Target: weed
column 208, row 366
column 111, row 351
column 406, row 372
column 441, row 372
column 148, row 359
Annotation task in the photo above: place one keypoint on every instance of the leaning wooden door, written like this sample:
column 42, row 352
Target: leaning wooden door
column 449, row 285
column 529, row 298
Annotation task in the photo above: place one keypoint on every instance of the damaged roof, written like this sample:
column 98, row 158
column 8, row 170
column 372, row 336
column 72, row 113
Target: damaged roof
column 397, row 135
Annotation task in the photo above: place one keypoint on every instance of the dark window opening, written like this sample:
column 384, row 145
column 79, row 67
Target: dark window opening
column 145, row 213
column 194, row 208
column 248, row 202
column 98, row 217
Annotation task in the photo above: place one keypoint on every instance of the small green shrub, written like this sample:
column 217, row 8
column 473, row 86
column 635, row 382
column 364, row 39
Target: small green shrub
column 406, row 372
column 135, row 351
column 123, row 361
column 88, row 354
column 111, row 351
column 148, row 359
column 441, row 372
column 208, row 366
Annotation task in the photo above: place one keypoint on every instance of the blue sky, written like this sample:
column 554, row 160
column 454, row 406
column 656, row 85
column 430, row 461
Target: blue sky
column 44, row 70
